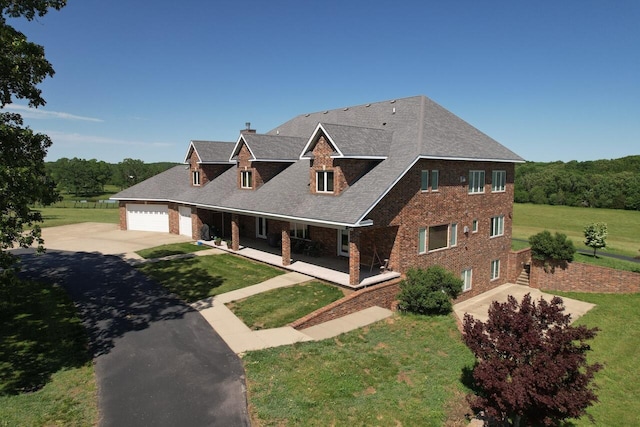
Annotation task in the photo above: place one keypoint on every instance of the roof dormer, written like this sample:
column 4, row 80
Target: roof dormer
column 207, row 160
column 260, row 157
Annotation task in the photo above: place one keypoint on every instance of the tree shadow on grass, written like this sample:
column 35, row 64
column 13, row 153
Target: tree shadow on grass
column 111, row 297
column 185, row 278
column 40, row 334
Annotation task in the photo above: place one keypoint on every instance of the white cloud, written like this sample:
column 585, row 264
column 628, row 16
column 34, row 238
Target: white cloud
column 38, row 113
column 76, row 138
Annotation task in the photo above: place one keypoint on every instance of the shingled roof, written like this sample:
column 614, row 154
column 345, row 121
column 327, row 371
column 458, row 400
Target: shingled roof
column 210, row 152
column 397, row 133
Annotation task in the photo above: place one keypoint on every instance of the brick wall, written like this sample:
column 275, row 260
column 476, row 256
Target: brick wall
column 322, row 160
column 382, row 295
column 578, row 277
column 122, row 212
column 174, row 219
column 407, row 209
column 517, row 261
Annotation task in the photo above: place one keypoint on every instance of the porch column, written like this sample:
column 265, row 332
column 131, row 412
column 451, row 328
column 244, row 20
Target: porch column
column 286, row 244
column 235, row 232
column 354, row 256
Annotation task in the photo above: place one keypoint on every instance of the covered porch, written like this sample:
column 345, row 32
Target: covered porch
column 331, row 254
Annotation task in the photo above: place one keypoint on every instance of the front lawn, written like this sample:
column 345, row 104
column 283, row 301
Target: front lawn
column 282, row 306
column 616, row 347
column 171, row 249
column 46, row 373
column 53, row 217
column 193, row 279
column 405, row 370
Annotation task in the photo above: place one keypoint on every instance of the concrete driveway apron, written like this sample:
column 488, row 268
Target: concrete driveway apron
column 157, row 361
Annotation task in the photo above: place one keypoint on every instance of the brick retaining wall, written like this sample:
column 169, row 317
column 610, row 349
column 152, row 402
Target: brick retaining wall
column 578, row 277
column 382, row 295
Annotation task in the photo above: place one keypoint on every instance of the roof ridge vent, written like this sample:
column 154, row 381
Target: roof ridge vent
column 392, row 101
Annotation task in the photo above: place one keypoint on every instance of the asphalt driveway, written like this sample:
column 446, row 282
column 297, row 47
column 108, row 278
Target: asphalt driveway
column 157, row 361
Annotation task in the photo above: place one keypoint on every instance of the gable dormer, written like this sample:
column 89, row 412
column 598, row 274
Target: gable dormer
column 340, row 155
column 207, row 160
column 261, row 157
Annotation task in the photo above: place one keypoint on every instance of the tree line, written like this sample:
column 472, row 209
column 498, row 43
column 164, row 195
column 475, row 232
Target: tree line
column 613, row 184
column 82, row 177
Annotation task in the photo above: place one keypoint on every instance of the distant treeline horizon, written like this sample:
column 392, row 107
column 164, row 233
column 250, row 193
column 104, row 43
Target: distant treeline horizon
column 607, row 183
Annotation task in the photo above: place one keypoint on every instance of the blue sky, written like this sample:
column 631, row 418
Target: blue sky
column 551, row 80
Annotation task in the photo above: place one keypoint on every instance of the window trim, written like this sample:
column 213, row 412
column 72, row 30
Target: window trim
column 195, row 178
column 453, row 235
column 429, row 180
column 422, row 240
column 474, row 225
column 497, row 226
column 495, row 269
column 463, row 275
column 295, row 227
column 325, row 175
column 502, row 180
column 246, row 176
column 476, row 187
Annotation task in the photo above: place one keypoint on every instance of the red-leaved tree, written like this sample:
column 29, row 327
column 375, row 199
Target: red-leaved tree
column 531, row 363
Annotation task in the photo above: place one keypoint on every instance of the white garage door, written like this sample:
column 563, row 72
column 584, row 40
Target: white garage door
column 148, row 217
column 185, row 220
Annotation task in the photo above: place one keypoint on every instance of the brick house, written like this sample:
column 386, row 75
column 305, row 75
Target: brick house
column 403, row 183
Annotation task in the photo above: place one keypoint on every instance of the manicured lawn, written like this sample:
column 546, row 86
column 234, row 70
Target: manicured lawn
column 624, row 226
column 282, row 306
column 616, row 347
column 402, row 371
column 46, row 374
column 171, row 249
column 63, row 216
column 197, row 278
column 608, row 262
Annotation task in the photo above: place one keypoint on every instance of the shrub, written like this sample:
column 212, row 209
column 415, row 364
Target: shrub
column 429, row 291
column 545, row 247
column 531, row 364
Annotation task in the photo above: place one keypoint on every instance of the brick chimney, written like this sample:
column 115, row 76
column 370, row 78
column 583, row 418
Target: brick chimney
column 247, row 129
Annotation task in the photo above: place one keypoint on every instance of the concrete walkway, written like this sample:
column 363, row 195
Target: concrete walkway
column 242, row 339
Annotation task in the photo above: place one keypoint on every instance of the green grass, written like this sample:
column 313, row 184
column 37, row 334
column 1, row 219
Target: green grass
column 197, row 278
column 171, row 249
column 54, row 217
column 46, row 374
column 282, row 306
column 608, row 262
column 616, row 347
column 402, row 371
column 624, row 226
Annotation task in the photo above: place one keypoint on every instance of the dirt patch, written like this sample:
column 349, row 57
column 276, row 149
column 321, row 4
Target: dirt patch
column 405, row 377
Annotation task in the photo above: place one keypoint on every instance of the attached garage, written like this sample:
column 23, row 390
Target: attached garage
column 185, row 221
column 148, row 217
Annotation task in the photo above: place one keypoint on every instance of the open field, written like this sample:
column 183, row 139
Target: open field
column 54, row 217
column 616, row 347
column 624, row 226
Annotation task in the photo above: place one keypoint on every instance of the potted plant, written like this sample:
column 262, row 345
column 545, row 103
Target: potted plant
column 217, row 241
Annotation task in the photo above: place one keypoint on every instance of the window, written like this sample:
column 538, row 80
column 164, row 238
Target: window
column 422, row 241
column 497, row 226
column 495, row 269
column 438, row 237
column 424, row 180
column 466, row 279
column 195, row 175
column 246, row 179
column 498, row 181
column 434, row 180
column 301, row 231
column 476, row 182
column 453, row 235
column 324, row 181
column 474, row 226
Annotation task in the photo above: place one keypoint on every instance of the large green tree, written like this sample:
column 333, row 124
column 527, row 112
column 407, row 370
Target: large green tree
column 23, row 178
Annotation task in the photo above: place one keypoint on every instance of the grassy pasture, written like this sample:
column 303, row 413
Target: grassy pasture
column 624, row 226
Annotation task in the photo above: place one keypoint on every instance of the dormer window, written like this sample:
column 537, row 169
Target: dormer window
column 324, row 181
column 246, row 179
column 195, row 177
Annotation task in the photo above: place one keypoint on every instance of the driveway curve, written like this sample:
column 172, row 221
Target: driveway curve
column 157, row 361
